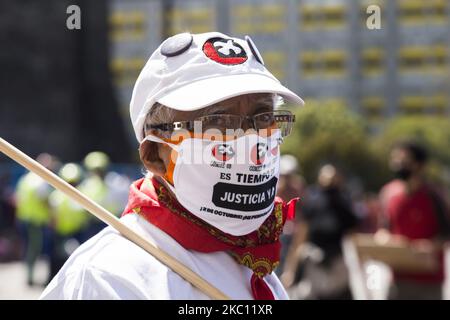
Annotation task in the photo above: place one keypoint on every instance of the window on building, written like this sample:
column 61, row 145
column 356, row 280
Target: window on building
column 373, row 106
column 259, row 19
column 372, row 61
column 414, row 12
column 127, row 26
column 328, row 16
column 194, row 19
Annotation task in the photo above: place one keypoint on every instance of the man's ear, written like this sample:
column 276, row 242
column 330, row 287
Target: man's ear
column 149, row 154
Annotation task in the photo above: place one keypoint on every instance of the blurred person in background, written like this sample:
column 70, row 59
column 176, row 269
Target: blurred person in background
column 314, row 267
column 414, row 212
column 118, row 186
column 33, row 213
column 96, row 164
column 369, row 213
column 291, row 185
column 69, row 220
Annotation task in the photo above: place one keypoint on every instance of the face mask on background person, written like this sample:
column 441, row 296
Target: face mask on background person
column 403, row 173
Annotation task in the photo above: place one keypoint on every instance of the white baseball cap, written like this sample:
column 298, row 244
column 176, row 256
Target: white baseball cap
column 191, row 71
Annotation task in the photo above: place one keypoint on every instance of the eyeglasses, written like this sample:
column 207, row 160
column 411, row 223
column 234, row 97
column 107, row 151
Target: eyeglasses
column 278, row 119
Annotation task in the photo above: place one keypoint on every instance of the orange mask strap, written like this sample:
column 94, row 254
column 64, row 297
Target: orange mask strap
column 170, row 168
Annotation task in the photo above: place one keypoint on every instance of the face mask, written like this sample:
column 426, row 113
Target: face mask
column 403, row 173
column 229, row 184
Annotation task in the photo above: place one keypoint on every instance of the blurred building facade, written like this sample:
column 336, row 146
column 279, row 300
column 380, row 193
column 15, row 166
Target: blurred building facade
column 56, row 89
column 68, row 92
column 322, row 49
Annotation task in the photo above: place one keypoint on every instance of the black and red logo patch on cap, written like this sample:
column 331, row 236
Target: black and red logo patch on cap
column 224, row 51
column 223, row 152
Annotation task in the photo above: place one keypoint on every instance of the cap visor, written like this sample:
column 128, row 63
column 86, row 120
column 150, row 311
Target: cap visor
column 206, row 92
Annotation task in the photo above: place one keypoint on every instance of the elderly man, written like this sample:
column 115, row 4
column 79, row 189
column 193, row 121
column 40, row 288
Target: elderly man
column 203, row 112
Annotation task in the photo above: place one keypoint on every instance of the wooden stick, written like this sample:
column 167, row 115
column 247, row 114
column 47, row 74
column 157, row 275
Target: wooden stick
column 110, row 219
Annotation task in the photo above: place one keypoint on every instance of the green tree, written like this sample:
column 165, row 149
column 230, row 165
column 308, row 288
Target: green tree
column 433, row 132
column 332, row 133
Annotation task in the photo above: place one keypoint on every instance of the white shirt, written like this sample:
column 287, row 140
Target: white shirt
column 108, row 266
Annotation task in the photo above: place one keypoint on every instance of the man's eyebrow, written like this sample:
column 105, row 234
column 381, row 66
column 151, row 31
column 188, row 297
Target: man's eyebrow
column 214, row 109
column 260, row 106
column 266, row 101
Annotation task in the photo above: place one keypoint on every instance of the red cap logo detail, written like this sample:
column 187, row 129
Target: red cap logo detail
column 224, row 51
